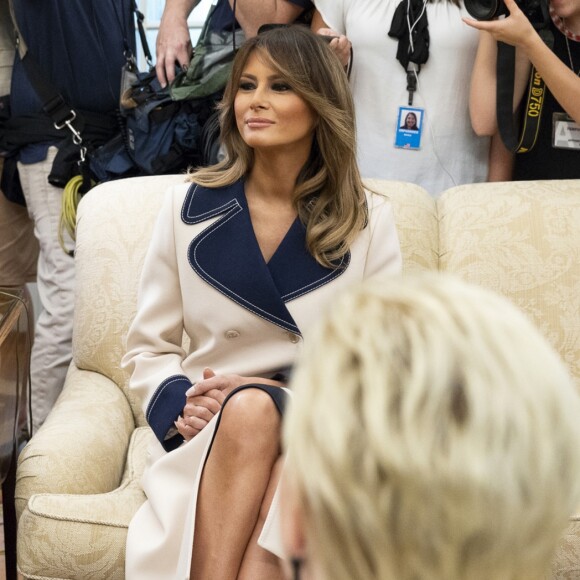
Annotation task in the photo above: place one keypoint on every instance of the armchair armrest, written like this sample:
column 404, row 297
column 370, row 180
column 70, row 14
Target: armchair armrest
column 82, row 446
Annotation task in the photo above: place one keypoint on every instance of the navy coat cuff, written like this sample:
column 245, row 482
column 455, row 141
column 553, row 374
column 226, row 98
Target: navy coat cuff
column 165, row 406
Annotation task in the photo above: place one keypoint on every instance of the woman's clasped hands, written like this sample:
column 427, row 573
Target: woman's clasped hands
column 205, row 398
column 203, row 401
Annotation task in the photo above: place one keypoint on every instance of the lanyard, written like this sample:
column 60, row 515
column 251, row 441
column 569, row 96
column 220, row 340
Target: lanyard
column 411, row 27
column 412, row 75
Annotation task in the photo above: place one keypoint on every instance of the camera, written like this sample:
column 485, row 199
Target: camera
column 535, row 10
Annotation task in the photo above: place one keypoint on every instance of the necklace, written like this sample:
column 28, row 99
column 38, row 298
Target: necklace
column 560, row 24
column 570, row 57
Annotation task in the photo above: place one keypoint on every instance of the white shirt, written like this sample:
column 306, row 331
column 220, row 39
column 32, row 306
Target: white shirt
column 451, row 154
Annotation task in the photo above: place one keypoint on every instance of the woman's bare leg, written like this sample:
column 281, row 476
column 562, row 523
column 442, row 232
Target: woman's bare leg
column 234, row 483
column 259, row 564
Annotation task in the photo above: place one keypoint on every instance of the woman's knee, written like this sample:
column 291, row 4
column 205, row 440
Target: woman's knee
column 252, row 412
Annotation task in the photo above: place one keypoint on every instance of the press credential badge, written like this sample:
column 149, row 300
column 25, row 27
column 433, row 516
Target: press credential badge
column 565, row 132
column 409, row 128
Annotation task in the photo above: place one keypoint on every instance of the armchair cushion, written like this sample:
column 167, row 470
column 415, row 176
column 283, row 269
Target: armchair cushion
column 77, row 536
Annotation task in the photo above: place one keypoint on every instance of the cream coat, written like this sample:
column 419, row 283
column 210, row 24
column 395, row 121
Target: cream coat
column 204, row 273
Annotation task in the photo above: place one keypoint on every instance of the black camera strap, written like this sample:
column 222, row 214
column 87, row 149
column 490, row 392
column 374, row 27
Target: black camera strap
column 525, row 140
column 528, row 134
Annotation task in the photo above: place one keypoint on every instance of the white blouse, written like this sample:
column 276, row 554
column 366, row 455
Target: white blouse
column 450, row 154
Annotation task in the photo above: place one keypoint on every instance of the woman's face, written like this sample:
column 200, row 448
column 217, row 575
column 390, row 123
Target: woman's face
column 411, row 120
column 269, row 114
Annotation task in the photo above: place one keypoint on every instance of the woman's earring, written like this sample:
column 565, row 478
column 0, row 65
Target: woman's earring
column 296, row 565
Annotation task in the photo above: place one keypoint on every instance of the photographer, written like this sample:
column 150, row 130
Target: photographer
column 79, row 48
column 556, row 154
column 173, row 44
column 18, row 246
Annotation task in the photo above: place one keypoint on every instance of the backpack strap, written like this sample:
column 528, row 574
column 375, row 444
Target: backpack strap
column 142, row 35
column 53, row 103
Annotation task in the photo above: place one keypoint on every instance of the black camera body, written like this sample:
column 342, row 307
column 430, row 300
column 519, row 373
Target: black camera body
column 535, row 10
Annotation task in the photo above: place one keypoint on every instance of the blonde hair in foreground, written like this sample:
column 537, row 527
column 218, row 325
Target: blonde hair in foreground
column 329, row 194
column 433, row 435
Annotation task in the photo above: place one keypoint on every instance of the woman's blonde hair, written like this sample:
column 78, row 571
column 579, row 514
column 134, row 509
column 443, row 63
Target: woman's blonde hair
column 433, row 435
column 329, row 195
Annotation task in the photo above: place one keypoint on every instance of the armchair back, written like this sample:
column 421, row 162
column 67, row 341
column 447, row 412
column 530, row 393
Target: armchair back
column 115, row 222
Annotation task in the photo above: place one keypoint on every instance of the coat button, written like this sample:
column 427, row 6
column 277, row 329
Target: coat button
column 294, row 338
column 232, row 334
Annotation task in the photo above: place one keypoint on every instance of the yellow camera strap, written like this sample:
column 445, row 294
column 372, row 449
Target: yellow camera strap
column 519, row 140
column 533, row 112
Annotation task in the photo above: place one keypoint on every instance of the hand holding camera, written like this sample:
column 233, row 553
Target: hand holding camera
column 517, row 29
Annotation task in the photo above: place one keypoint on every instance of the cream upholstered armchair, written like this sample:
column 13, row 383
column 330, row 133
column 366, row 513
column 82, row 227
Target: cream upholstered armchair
column 78, row 478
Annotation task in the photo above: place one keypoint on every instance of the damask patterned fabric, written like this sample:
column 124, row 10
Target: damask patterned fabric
column 114, row 226
column 78, row 479
column 523, row 241
column 416, row 219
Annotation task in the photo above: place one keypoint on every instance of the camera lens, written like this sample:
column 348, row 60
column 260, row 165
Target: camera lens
column 484, row 9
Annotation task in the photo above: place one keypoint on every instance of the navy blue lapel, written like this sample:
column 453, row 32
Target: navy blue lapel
column 294, row 271
column 227, row 256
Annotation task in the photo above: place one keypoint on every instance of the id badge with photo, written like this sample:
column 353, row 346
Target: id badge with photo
column 409, row 128
column 565, row 132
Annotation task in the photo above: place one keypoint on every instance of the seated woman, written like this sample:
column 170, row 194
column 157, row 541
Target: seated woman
column 433, row 434
column 244, row 259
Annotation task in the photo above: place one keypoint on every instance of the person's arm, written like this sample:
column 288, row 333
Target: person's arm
column 155, row 353
column 482, row 98
column 174, row 42
column 501, row 160
column 517, row 30
column 251, row 14
column 317, row 21
column 341, row 44
column 173, row 46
